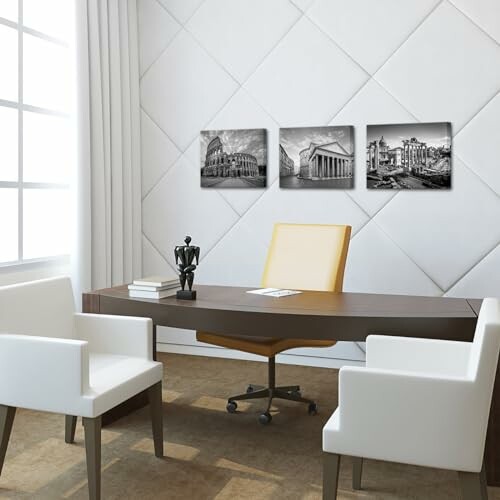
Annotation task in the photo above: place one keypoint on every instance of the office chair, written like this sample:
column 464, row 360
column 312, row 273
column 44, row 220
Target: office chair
column 300, row 257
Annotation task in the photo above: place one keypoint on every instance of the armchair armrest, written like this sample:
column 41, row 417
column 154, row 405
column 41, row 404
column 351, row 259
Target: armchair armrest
column 445, row 357
column 412, row 418
column 125, row 335
column 42, row 373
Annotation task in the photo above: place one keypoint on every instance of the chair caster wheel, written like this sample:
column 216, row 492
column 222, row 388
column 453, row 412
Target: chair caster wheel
column 231, row 406
column 250, row 389
column 265, row 418
column 313, row 409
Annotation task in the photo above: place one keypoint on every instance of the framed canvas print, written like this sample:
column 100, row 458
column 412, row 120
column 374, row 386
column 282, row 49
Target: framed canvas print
column 317, row 157
column 233, row 158
column 409, row 156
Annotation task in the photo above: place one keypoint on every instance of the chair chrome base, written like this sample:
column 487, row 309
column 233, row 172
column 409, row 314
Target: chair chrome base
column 289, row 392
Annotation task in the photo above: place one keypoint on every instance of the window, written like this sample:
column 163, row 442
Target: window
column 36, row 129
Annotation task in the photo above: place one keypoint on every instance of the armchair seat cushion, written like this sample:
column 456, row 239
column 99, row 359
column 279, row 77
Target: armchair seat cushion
column 114, row 379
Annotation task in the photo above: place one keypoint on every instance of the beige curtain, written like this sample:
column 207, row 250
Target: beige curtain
column 108, row 180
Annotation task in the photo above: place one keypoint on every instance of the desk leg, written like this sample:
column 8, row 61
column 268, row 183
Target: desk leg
column 90, row 304
column 492, row 451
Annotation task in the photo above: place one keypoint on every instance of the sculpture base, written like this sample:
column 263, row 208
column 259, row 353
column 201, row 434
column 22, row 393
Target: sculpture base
column 186, row 294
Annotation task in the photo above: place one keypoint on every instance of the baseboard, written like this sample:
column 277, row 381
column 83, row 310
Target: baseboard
column 287, row 359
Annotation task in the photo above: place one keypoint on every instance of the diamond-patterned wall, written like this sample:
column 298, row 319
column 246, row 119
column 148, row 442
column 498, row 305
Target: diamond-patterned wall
column 258, row 63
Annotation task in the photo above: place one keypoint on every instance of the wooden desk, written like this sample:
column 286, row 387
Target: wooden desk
column 315, row 315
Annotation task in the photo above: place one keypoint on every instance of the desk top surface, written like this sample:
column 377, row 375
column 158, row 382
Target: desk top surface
column 309, row 303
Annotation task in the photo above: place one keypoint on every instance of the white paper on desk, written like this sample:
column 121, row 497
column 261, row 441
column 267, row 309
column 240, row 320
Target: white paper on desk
column 282, row 293
column 273, row 292
column 263, row 291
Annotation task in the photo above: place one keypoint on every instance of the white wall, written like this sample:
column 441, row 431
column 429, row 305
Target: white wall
column 209, row 64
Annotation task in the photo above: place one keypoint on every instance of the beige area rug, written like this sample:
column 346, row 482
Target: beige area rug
column 210, row 454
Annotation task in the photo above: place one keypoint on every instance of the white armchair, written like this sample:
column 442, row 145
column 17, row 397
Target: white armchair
column 417, row 401
column 52, row 359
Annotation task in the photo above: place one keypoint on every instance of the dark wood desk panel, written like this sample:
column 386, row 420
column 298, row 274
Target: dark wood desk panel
column 314, row 315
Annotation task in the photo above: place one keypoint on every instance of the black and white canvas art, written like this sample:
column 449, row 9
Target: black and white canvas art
column 233, row 158
column 317, row 157
column 409, row 156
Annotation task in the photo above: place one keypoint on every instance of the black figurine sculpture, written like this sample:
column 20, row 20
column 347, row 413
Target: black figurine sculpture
column 184, row 257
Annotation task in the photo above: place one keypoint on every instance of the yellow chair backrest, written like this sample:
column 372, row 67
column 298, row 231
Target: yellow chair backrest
column 307, row 257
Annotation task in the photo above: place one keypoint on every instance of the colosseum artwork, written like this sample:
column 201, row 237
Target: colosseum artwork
column 233, row 158
column 317, row 157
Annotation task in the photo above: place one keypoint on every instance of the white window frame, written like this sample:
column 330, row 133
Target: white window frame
column 20, row 184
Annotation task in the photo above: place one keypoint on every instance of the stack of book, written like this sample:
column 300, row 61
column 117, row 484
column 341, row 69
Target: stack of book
column 153, row 287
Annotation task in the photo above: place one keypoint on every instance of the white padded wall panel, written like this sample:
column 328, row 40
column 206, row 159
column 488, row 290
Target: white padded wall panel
column 320, row 62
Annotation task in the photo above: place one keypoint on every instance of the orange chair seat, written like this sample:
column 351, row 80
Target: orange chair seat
column 262, row 346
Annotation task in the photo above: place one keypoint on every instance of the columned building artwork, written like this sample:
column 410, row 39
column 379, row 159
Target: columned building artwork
column 396, row 156
column 326, row 161
column 414, row 155
column 383, row 151
column 287, row 165
column 377, row 154
column 372, row 156
column 325, row 157
column 233, row 158
column 409, row 156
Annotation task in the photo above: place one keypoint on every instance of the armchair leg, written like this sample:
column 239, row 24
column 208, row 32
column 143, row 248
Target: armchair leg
column 155, row 405
column 70, row 428
column 6, row 420
column 473, row 485
column 357, row 470
column 92, row 427
column 331, row 467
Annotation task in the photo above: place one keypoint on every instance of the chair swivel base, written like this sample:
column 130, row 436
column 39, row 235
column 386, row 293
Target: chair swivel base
column 291, row 393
